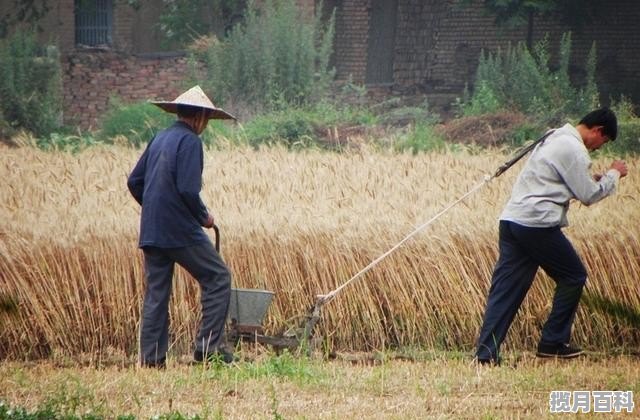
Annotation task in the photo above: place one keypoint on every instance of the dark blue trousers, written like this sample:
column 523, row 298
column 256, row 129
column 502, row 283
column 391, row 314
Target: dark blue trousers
column 522, row 250
column 204, row 263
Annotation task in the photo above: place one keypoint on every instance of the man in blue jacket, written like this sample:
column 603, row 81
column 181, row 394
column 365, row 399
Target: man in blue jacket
column 557, row 172
column 166, row 182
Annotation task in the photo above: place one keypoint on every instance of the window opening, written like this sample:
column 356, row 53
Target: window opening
column 94, row 22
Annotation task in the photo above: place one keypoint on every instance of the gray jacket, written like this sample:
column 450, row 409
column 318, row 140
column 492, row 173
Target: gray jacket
column 557, row 171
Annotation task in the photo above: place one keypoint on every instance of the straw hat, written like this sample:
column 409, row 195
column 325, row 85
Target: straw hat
column 195, row 97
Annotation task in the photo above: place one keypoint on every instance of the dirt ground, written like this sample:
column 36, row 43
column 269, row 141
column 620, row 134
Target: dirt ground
column 489, row 130
column 483, row 130
column 292, row 388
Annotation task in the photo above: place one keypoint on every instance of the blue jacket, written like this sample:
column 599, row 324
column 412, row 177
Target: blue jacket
column 166, row 182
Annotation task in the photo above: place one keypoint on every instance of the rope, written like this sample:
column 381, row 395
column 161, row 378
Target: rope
column 323, row 299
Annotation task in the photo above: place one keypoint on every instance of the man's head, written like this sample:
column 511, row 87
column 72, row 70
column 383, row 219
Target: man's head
column 598, row 127
column 197, row 117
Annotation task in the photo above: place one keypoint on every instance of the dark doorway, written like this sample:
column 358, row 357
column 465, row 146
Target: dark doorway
column 382, row 38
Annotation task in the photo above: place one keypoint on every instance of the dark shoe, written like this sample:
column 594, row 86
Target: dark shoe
column 488, row 362
column 561, row 351
column 155, row 364
column 220, row 354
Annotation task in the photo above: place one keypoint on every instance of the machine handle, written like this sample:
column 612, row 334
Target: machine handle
column 216, row 230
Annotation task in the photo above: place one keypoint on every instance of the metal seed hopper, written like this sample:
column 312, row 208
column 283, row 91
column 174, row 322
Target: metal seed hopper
column 247, row 310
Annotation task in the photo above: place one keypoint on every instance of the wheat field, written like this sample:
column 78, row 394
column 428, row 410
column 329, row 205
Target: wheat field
column 300, row 224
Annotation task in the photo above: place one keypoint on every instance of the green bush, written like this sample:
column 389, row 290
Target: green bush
column 6, row 130
column 522, row 80
column 291, row 126
column 483, row 101
column 277, row 56
column 392, row 112
column 332, row 114
column 30, row 85
column 219, row 132
column 628, row 140
column 295, row 126
column 138, row 122
column 421, row 138
column 18, row 413
column 525, row 132
column 67, row 142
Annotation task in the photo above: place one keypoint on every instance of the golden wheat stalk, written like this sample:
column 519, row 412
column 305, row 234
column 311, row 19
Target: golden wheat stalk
column 299, row 224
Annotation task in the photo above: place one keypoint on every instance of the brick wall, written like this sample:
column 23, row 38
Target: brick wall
column 350, row 52
column 461, row 33
column 123, row 28
column 91, row 78
column 61, row 17
column 438, row 44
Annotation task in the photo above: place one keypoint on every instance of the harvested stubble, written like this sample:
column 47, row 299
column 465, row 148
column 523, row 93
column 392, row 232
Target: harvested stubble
column 300, row 224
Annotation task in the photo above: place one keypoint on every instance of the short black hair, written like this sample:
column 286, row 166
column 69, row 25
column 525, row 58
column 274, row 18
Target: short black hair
column 604, row 117
column 188, row 111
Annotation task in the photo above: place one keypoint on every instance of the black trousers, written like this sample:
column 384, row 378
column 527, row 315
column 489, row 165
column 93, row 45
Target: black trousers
column 204, row 263
column 522, row 250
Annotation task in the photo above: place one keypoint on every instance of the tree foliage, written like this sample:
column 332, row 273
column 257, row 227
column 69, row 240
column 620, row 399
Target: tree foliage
column 26, row 12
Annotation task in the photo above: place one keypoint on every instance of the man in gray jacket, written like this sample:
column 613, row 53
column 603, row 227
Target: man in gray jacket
column 530, row 233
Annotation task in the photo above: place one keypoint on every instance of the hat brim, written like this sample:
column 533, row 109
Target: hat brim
column 214, row 113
